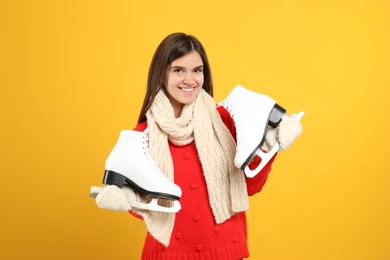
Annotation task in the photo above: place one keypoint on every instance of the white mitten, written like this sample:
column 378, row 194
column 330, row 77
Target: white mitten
column 285, row 133
column 112, row 197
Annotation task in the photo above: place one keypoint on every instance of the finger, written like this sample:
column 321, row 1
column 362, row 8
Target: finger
column 293, row 115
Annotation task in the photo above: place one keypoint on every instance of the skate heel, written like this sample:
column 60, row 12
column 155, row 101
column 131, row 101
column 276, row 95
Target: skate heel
column 276, row 115
column 267, row 156
column 113, row 178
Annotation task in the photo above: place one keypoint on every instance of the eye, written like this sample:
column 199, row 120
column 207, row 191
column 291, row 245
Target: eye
column 200, row 70
column 178, row 70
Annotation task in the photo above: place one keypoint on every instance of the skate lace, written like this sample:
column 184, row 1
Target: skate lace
column 146, row 151
column 233, row 113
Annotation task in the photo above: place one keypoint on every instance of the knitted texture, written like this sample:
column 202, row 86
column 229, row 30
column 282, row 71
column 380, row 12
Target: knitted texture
column 196, row 235
column 201, row 122
column 285, row 134
column 112, row 197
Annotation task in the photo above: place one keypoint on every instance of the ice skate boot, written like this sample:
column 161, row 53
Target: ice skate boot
column 252, row 114
column 130, row 162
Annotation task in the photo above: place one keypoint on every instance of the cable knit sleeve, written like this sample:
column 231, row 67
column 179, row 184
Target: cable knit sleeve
column 255, row 184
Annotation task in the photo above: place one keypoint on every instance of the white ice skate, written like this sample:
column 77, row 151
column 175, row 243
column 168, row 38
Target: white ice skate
column 252, row 113
column 130, row 162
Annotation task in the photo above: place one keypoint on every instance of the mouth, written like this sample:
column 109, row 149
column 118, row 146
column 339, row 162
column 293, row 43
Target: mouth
column 187, row 89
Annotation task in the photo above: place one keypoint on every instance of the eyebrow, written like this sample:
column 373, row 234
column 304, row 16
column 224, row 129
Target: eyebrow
column 180, row 67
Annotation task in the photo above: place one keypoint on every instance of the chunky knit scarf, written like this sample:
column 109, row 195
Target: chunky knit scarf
column 201, row 122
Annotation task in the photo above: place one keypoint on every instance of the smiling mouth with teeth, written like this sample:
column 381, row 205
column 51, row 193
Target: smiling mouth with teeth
column 187, row 89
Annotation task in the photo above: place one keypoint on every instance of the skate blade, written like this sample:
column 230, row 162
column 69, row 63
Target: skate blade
column 153, row 205
column 94, row 191
column 267, row 156
column 93, row 195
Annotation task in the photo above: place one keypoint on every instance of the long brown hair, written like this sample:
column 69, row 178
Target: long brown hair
column 171, row 48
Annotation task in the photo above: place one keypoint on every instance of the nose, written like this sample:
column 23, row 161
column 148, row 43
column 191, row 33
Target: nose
column 189, row 79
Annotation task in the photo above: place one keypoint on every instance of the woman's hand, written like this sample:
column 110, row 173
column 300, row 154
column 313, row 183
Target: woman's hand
column 285, row 134
column 112, row 197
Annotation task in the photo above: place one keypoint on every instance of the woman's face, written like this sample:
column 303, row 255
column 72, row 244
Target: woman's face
column 184, row 80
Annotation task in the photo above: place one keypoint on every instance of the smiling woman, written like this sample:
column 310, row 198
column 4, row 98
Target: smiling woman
column 184, row 80
column 178, row 54
column 192, row 141
column 73, row 73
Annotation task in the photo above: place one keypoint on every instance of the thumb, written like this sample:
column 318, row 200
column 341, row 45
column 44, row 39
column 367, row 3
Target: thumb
column 293, row 115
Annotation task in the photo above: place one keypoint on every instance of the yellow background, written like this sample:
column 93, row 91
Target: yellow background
column 73, row 74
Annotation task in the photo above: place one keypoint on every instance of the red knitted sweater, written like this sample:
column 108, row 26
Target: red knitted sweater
column 195, row 234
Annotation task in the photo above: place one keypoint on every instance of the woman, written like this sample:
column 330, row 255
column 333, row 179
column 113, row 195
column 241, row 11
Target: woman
column 193, row 142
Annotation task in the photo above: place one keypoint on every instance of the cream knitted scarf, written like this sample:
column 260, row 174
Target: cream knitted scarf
column 201, row 122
